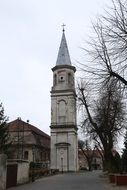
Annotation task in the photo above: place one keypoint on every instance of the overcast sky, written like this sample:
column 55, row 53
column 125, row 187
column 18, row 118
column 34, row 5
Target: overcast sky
column 30, row 35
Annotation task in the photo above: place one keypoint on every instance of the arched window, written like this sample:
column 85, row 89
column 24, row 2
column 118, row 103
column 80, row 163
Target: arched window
column 62, row 111
column 69, row 78
column 55, row 79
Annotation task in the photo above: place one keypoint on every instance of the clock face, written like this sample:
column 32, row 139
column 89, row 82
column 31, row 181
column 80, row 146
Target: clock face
column 61, row 78
column 61, row 74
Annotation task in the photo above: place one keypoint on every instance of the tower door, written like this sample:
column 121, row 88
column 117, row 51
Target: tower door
column 62, row 159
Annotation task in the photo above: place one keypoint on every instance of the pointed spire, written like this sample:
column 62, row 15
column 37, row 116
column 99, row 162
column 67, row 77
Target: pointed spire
column 63, row 54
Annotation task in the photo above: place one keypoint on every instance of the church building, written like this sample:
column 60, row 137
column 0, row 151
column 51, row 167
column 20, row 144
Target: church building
column 64, row 143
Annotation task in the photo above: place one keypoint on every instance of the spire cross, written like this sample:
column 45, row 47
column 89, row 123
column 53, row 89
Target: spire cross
column 63, row 25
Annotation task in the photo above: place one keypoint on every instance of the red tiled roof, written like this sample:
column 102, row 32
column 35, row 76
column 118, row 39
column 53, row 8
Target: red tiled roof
column 90, row 152
column 19, row 125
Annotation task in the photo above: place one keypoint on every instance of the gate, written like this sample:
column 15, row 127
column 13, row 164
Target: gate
column 11, row 175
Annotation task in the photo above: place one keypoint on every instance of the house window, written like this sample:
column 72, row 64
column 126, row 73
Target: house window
column 25, row 155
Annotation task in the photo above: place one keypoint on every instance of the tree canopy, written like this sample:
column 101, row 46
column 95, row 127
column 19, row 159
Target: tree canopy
column 4, row 136
column 124, row 155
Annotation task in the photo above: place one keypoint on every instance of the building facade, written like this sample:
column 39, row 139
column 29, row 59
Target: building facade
column 64, row 144
column 28, row 142
column 94, row 157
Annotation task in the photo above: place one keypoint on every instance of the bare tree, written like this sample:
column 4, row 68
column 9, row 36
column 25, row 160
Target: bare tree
column 106, row 71
column 87, row 151
column 107, row 49
column 105, row 119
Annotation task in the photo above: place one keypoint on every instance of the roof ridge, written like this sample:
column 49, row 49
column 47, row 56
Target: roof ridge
column 31, row 127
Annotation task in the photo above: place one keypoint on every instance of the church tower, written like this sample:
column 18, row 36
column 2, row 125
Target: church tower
column 64, row 144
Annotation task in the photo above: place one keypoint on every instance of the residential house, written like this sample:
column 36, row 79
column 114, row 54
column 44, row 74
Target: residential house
column 28, row 142
column 93, row 155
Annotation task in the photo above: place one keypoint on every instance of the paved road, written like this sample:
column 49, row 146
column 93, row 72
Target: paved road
column 71, row 181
